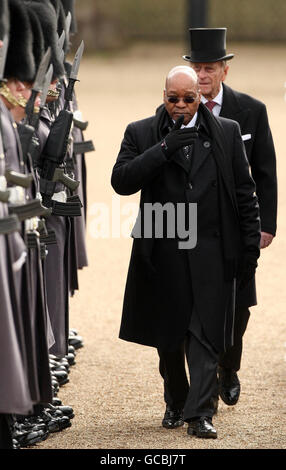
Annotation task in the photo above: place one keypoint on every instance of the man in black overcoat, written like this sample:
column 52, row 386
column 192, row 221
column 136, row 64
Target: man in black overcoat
column 209, row 59
column 192, row 170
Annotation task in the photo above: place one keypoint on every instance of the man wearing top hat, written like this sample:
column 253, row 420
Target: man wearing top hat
column 209, row 59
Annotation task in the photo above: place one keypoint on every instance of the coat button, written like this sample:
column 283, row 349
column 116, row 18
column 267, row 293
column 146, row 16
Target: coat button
column 217, row 233
column 190, row 185
column 214, row 183
column 207, row 144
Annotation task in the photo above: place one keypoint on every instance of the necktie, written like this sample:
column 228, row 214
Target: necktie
column 210, row 105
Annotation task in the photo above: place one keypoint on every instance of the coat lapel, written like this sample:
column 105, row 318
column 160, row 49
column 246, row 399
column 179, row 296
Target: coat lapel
column 231, row 107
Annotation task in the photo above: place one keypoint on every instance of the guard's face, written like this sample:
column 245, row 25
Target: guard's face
column 27, row 91
column 20, row 90
column 181, row 96
column 210, row 76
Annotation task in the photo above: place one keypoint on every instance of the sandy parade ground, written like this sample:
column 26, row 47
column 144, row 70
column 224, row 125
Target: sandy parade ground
column 115, row 387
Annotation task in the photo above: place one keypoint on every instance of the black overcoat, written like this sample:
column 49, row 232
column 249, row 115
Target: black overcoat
column 165, row 283
column 251, row 114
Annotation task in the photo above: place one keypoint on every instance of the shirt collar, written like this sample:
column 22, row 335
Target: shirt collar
column 192, row 122
column 217, row 99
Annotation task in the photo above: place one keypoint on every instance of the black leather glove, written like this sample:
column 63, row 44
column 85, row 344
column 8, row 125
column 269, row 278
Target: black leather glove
column 247, row 270
column 178, row 138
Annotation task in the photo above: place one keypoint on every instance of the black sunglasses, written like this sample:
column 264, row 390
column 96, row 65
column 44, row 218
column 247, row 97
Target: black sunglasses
column 187, row 99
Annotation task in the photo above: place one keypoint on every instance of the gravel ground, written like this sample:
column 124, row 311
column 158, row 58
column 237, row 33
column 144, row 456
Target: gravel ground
column 115, row 388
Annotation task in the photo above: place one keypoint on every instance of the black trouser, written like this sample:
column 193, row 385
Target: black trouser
column 231, row 359
column 196, row 398
column 5, row 432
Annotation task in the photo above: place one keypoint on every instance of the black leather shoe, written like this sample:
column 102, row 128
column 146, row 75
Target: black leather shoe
column 71, row 349
column 71, row 359
column 16, row 444
column 58, row 362
column 61, row 376
column 64, row 409
column 76, row 341
column 228, row 385
column 172, row 418
column 73, row 332
column 26, row 439
column 202, row 427
column 56, row 402
column 55, row 421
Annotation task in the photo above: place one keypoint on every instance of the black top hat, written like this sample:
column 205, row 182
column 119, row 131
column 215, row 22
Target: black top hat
column 208, row 45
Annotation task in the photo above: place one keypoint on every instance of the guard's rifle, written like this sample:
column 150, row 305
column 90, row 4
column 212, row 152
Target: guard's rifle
column 34, row 144
column 54, row 152
column 32, row 208
column 26, row 129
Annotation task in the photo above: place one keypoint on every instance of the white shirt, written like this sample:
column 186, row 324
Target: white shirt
column 192, row 122
column 218, row 100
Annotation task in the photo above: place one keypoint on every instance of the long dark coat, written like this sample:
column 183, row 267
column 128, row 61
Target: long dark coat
column 164, row 282
column 251, row 114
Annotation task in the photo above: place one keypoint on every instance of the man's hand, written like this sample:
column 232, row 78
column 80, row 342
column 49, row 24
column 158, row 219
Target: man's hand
column 178, row 138
column 266, row 239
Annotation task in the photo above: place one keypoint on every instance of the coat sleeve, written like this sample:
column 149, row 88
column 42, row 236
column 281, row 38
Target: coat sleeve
column 263, row 168
column 134, row 169
column 247, row 201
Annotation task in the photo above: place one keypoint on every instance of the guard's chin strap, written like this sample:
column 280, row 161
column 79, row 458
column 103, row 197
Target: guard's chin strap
column 19, row 101
column 53, row 93
column 6, row 92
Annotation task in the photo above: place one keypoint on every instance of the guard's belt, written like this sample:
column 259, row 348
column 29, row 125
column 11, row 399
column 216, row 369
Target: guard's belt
column 9, row 224
column 31, row 209
column 83, row 147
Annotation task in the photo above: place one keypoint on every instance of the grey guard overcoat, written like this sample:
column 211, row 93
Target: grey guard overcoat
column 56, row 265
column 164, row 283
